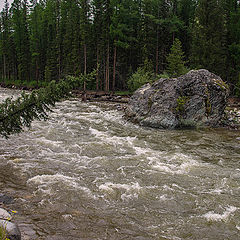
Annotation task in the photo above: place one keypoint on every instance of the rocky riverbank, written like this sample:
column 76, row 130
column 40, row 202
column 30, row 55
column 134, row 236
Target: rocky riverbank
column 231, row 117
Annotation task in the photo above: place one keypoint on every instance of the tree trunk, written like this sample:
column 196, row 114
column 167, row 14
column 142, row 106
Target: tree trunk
column 107, row 70
column 157, row 48
column 97, row 73
column 37, row 72
column 157, row 53
column 4, row 68
column 58, row 39
column 114, row 68
column 85, row 66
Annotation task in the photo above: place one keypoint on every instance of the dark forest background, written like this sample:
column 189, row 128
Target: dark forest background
column 46, row 40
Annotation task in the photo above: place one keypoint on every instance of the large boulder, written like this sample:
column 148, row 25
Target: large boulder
column 197, row 98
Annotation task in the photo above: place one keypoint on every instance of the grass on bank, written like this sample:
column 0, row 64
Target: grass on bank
column 3, row 234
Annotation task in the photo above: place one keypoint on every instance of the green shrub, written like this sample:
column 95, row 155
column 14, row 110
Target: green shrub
column 139, row 78
column 164, row 75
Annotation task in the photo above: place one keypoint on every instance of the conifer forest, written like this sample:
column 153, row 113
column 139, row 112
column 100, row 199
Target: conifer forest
column 47, row 40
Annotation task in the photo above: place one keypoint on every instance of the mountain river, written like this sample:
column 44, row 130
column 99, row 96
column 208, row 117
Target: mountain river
column 88, row 174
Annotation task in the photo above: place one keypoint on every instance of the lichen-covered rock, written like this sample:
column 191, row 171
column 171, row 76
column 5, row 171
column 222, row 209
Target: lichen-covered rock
column 197, row 98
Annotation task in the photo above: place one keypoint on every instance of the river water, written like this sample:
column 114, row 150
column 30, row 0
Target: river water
column 88, row 174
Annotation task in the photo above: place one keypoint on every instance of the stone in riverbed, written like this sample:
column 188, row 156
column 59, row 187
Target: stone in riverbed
column 12, row 230
column 197, row 98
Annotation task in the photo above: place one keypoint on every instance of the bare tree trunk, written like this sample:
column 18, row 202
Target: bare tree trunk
column 4, row 68
column 97, row 73
column 108, row 73
column 85, row 66
column 114, row 68
column 157, row 48
column 58, row 40
column 37, row 72
column 157, row 53
column 107, row 70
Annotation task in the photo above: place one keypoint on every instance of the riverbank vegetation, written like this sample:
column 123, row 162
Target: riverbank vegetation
column 46, row 40
column 16, row 114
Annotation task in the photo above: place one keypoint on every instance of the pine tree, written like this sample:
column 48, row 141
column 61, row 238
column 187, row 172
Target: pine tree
column 35, row 40
column 209, row 37
column 69, row 27
column 84, row 29
column 5, row 40
column 21, row 38
column 233, row 23
column 175, row 59
column 120, row 31
column 98, row 26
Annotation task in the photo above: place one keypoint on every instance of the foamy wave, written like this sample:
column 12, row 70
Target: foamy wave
column 183, row 168
column 128, row 191
column 49, row 143
column 45, row 183
column 114, row 140
column 211, row 216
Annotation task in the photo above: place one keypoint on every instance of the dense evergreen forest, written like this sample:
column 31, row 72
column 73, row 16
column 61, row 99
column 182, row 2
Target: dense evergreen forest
column 46, row 40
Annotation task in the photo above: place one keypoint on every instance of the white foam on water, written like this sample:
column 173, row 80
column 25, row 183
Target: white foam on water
column 143, row 151
column 238, row 227
column 165, row 197
column 45, row 183
column 129, row 191
column 211, row 216
column 222, row 187
column 49, row 143
column 183, row 168
column 109, row 186
column 176, row 164
column 111, row 115
column 113, row 140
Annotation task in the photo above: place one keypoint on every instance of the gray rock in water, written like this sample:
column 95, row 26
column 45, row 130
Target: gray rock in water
column 11, row 229
column 4, row 215
column 6, row 199
column 197, row 98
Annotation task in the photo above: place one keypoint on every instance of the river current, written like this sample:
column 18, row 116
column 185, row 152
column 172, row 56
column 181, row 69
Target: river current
column 88, row 174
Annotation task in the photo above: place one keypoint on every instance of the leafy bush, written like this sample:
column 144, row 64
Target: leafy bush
column 164, row 75
column 139, row 78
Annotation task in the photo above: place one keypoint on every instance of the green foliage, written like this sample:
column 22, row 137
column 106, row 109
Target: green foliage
column 237, row 91
column 210, row 37
column 89, row 79
column 19, row 113
column 181, row 101
column 48, row 39
column 176, row 63
column 164, row 75
column 139, row 78
column 123, row 93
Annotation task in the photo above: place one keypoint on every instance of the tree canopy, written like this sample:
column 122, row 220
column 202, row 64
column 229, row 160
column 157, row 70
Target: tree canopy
column 46, row 40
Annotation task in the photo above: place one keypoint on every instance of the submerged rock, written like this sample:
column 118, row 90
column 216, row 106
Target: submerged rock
column 6, row 199
column 197, row 98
